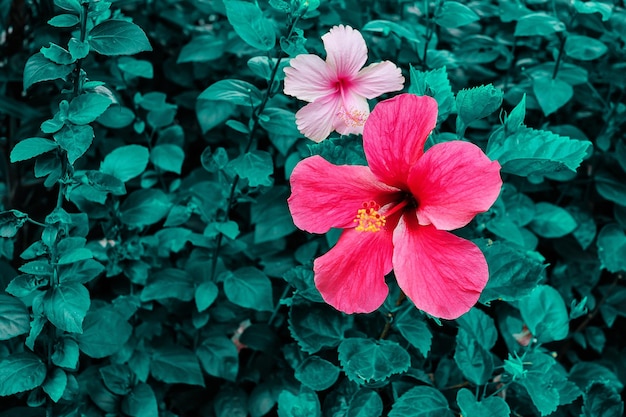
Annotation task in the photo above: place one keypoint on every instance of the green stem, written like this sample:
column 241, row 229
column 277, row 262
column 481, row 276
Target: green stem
column 562, row 47
column 387, row 327
column 79, row 62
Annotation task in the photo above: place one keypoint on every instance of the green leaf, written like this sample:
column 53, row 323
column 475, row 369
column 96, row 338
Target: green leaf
column 431, row 403
column 202, row 48
column 87, row 107
column 24, row 285
column 168, row 157
column 144, row 207
column 489, row 407
column 602, row 401
column 169, row 283
column 411, row 325
column 38, row 68
column 21, row 372
column 434, row 83
column 262, row 67
column 612, row 248
column 610, row 187
column 589, row 7
column 176, row 365
column 365, row 403
column 250, row 288
column 66, row 354
column 75, row 255
column 81, row 271
column 545, row 314
column 584, row 47
column 537, row 152
column 255, row 166
column 55, row 384
column 118, row 37
column 475, row 103
column 78, row 49
column 542, row 382
column 552, row 221
column 538, row 24
column 117, row 378
column 367, row 360
column 56, row 54
column 136, row 67
column 512, row 273
column 126, row 162
column 205, row 294
column 117, row 117
column 219, row 357
column 454, row 14
column 250, row 24
column 271, row 217
column 304, row 403
column 71, row 5
column 75, row 140
column 551, row 93
column 316, row 326
column 11, row 221
column 104, row 333
column 141, row 402
column 480, row 327
column 64, row 21
column 237, row 92
column 472, row 358
column 31, row 147
column 14, row 317
column 302, row 279
column 66, row 306
column 317, row 373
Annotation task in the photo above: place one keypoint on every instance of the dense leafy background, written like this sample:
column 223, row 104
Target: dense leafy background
column 149, row 263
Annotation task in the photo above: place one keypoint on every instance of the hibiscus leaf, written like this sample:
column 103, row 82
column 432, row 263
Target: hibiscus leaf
column 475, row 103
column 250, row 24
column 317, row 373
column 431, row 403
column 316, row 326
column 545, row 314
column 367, row 360
column 488, row 407
column 436, row 84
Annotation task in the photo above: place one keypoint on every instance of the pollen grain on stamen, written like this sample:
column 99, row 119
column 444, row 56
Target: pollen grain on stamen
column 353, row 118
column 369, row 219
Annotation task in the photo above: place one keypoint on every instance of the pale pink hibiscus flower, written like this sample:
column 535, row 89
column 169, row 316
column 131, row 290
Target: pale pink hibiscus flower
column 337, row 89
column 396, row 213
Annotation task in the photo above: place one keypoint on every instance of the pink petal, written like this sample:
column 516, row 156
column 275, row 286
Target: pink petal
column 309, row 78
column 452, row 183
column 346, row 51
column 324, row 195
column 352, row 114
column 395, row 133
column 316, row 120
column 441, row 273
column 377, row 79
column 351, row 276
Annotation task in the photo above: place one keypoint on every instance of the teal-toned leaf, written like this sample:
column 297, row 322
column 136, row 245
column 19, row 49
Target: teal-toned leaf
column 64, row 21
column 542, row 382
column 126, row 162
column 136, row 67
column 551, row 93
column 585, row 374
column 118, row 37
column 66, row 306
column 117, row 117
column 205, row 294
column 612, row 248
column 66, row 354
column 168, row 157
column 78, row 49
column 474, row 361
column 104, row 333
column 141, row 402
column 31, row 147
column 11, row 221
column 75, row 140
column 56, row 54
column 38, row 68
column 117, row 378
column 602, row 401
column 237, row 92
column 316, row 326
column 610, row 187
column 584, row 48
column 480, row 327
column 489, row 407
column 304, row 403
column 411, row 325
column 434, row 83
column 475, row 103
column 367, row 360
column 55, row 384
column 545, row 314
column 219, row 357
column 21, row 372
column 538, row 24
column 81, row 271
column 169, row 283
column 75, row 255
column 14, row 317
column 454, row 14
column 537, row 152
column 144, row 207
column 250, row 288
column 317, row 373
column 176, row 365
column 589, row 7
column 365, row 403
column 202, row 48
column 262, row 66
column 552, row 221
column 71, row 5
column 421, row 401
column 23, row 285
column 250, row 24
column 302, row 279
column 271, row 217
column 255, row 166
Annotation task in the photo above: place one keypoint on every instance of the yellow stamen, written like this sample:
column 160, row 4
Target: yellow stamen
column 369, row 219
column 353, row 118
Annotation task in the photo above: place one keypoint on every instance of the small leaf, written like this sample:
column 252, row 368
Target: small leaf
column 250, row 288
column 612, row 248
column 303, row 403
column 21, row 372
column 75, row 140
column 411, row 325
column 176, row 365
column 538, row 24
column 237, row 92
column 552, row 221
column 205, row 294
column 169, row 283
column 14, row 317
column 11, row 221
column 475, row 103
column 144, row 207
column 55, row 384
column 589, row 7
column 66, row 306
column 250, row 24
column 255, row 166
column 140, row 402
column 552, row 94
column 118, row 37
column 431, row 403
column 545, row 314
column 31, row 147
column 315, row 326
column 136, row 67
column 87, row 107
column 474, row 361
column 202, row 48
column 64, row 21
column 126, row 162
column 317, row 373
column 584, row 47
column 602, row 401
column 38, row 68
column 219, row 357
column 168, row 157
column 367, row 360
column 104, row 333
column 434, row 83
column 454, row 14
column 488, row 407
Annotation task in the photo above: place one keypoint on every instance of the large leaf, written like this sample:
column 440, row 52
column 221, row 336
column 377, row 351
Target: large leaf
column 39, row 68
column 126, row 162
column 249, row 287
column 144, row 207
column 421, row 401
column 219, row 357
column 75, row 140
column 538, row 24
column 316, row 326
column 202, row 49
column 250, row 24
column 14, row 317
column 21, row 372
column 87, row 107
column 367, row 360
column 104, row 333
column 176, row 365
column 612, row 248
column 118, row 37
column 238, row 92
column 66, row 306
column 545, row 314
column 454, row 14
column 488, row 407
column 31, row 147
column 551, row 93
column 552, row 221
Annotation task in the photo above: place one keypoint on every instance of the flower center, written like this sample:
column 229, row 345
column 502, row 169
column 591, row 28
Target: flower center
column 369, row 219
column 352, row 118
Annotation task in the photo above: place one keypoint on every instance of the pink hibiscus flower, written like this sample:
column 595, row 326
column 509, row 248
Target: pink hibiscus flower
column 338, row 88
column 396, row 213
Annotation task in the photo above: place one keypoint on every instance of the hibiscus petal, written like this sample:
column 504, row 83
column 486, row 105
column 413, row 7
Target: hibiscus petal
column 352, row 115
column 452, row 183
column 377, row 79
column 351, row 276
column 441, row 273
column 324, row 195
column 316, row 120
column 346, row 51
column 308, row 78
column 395, row 133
